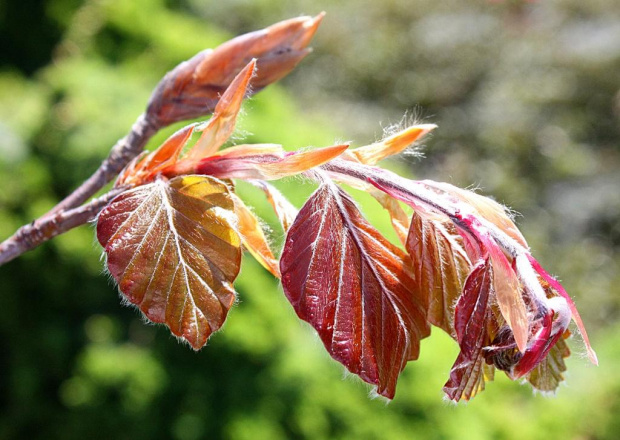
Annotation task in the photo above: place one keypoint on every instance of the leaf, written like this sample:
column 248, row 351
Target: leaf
column 354, row 287
column 253, row 238
column 259, row 162
column 222, row 125
column 559, row 290
column 547, row 375
column 371, row 154
column 440, row 264
column 509, row 296
column 398, row 217
column 173, row 250
column 146, row 167
column 477, row 238
column 469, row 372
column 284, row 210
column 484, row 207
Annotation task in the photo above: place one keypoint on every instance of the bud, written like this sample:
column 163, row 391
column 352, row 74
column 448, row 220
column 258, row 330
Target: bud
column 193, row 88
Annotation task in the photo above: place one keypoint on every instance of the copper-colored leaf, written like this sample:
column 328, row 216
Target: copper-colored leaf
column 222, row 125
column 253, row 237
column 354, row 287
column 440, row 264
column 398, row 216
column 547, row 375
column 173, row 249
column 371, row 154
column 262, row 162
column 469, row 371
column 144, row 168
column 193, row 88
column 284, row 210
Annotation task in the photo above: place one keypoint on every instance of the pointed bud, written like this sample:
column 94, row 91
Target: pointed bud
column 192, row 89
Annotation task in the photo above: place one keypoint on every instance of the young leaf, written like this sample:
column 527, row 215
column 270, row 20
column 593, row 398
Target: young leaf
column 261, row 162
column 398, row 217
column 254, row 239
column 547, row 375
column 471, row 315
column 284, row 210
column 440, row 264
column 222, row 125
column 173, row 249
column 354, row 287
column 371, row 154
column 145, row 167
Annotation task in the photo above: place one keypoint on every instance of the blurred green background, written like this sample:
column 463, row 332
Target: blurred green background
column 527, row 99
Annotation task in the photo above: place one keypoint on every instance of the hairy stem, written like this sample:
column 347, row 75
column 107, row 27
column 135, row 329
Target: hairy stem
column 39, row 231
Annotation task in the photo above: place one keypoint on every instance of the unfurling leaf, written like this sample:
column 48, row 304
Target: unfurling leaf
column 371, row 154
column 174, row 252
column 547, row 375
column 259, row 162
column 284, row 210
column 354, row 287
column 193, row 88
column 398, row 217
column 146, row 166
column 440, row 264
column 471, row 316
column 222, row 125
column 253, row 237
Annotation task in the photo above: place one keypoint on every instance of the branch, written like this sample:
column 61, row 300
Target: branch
column 121, row 154
column 30, row 236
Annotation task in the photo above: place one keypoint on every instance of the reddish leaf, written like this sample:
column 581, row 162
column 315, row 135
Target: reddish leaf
column 262, row 162
column 174, row 252
column 559, row 290
column 284, row 210
column 145, row 167
column 398, row 217
column 253, row 237
column 354, row 287
column 440, row 264
column 547, row 375
column 471, row 316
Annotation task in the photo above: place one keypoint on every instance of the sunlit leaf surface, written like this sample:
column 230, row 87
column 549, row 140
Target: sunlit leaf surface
column 440, row 264
column 354, row 287
column 172, row 248
column 548, row 374
column 471, row 317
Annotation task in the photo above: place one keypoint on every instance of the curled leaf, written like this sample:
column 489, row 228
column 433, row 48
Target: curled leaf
column 471, row 316
column 222, row 125
column 398, row 217
column 548, row 374
column 173, row 250
column 440, row 264
column 193, row 88
column 253, row 237
column 284, row 210
column 354, row 287
column 258, row 162
column 146, row 167
column 371, row 154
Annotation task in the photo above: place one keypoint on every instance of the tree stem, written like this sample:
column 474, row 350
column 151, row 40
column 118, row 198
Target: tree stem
column 121, row 154
column 39, row 231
